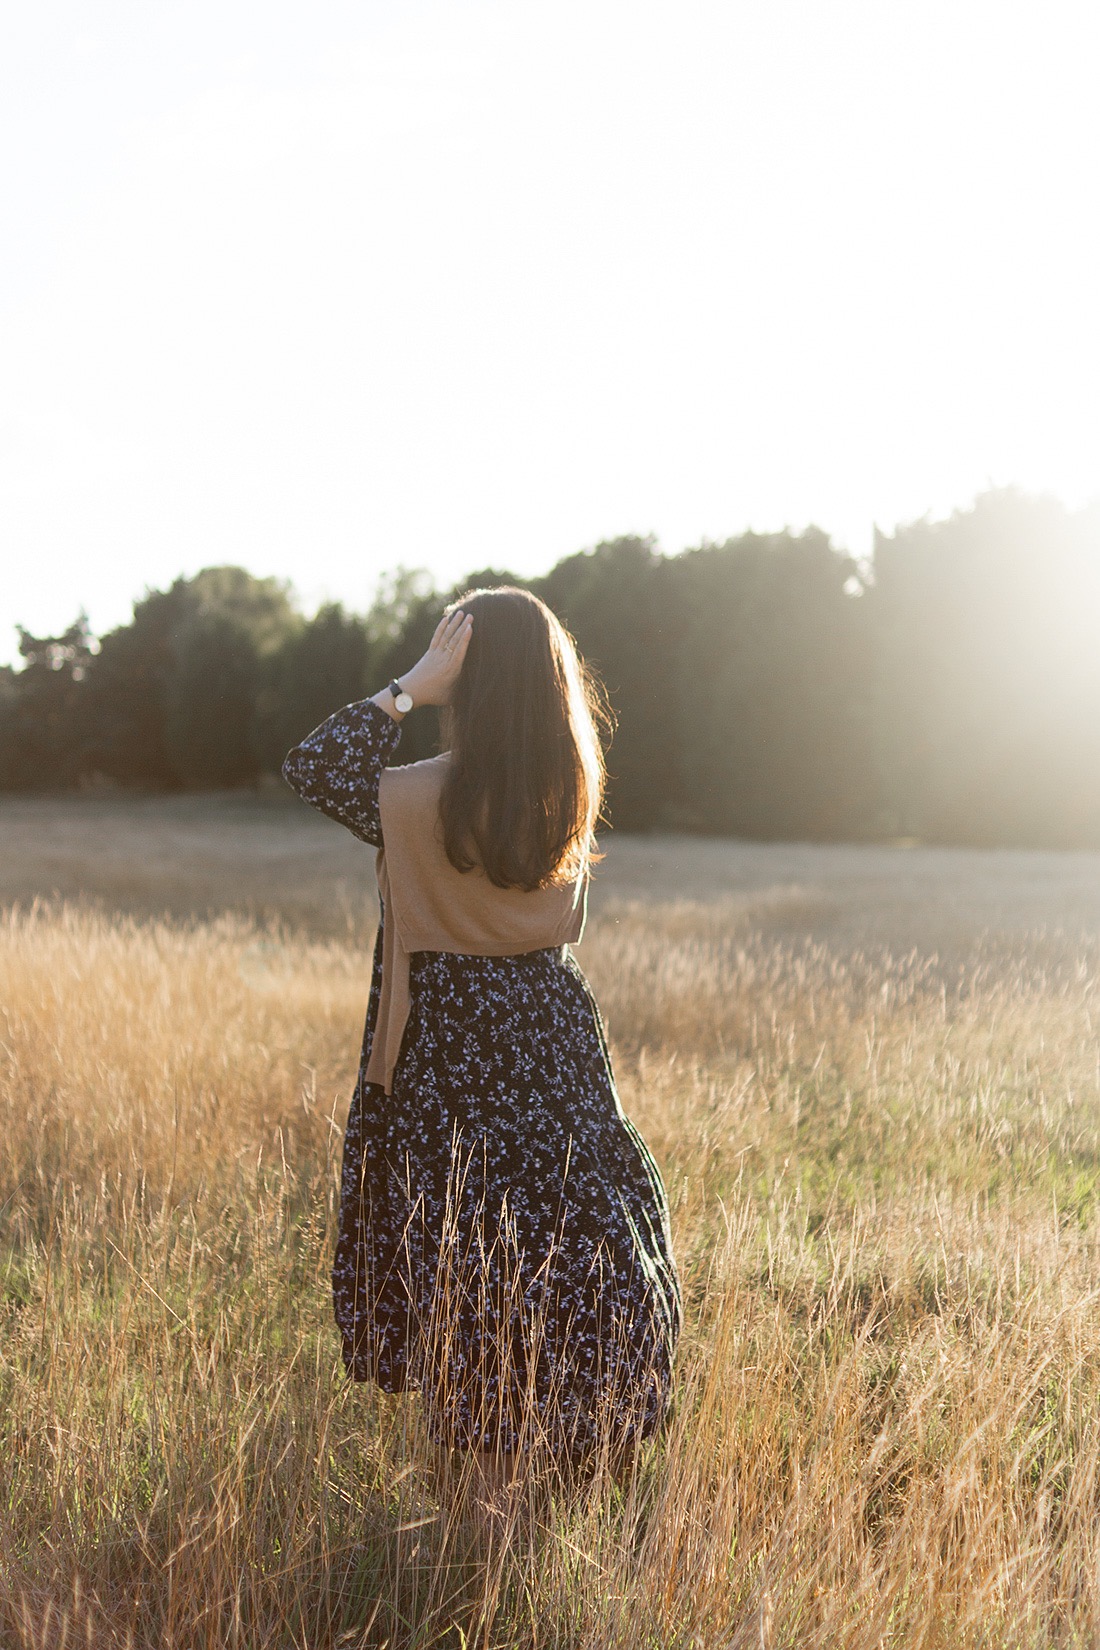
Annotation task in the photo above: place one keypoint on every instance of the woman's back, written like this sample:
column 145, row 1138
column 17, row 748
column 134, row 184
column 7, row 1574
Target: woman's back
column 433, row 906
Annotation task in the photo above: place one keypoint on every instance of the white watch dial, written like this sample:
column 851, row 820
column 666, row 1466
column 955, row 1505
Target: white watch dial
column 403, row 703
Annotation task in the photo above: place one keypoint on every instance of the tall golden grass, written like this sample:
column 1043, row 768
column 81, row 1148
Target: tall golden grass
column 885, row 1197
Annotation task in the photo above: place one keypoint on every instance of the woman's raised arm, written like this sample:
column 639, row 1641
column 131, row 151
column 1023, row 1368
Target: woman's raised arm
column 337, row 767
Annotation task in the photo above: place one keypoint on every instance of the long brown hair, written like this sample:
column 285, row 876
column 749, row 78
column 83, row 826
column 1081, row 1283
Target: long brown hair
column 525, row 781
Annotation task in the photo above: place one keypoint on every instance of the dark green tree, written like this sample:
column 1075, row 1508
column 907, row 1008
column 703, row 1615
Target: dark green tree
column 42, row 726
column 230, row 629
column 619, row 602
column 126, row 694
column 327, row 662
column 772, row 704
column 763, row 687
column 178, row 697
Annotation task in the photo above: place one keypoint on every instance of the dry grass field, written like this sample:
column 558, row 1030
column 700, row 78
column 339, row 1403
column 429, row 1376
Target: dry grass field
column 872, row 1080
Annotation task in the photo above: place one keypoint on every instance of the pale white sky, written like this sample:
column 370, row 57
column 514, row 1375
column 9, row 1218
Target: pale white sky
column 320, row 287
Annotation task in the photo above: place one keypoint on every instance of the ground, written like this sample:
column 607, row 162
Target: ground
column 872, row 1079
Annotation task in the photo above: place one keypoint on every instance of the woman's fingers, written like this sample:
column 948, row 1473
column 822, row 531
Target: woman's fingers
column 458, row 641
column 446, row 629
column 450, row 635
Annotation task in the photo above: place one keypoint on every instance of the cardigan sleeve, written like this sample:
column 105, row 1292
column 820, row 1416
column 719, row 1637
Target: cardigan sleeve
column 337, row 767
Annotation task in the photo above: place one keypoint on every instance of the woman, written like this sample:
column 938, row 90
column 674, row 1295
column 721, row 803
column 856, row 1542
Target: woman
column 503, row 1240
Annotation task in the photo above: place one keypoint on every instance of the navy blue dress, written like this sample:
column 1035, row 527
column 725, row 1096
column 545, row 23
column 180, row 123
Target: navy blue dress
column 503, row 1242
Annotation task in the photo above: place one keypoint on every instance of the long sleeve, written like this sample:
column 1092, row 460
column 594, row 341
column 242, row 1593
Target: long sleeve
column 337, row 767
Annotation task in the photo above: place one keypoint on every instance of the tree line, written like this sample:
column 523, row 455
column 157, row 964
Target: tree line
column 768, row 686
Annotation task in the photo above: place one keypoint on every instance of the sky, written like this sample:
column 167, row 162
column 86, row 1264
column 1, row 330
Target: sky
column 321, row 289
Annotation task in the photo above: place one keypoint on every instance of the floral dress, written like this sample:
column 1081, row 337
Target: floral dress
column 503, row 1241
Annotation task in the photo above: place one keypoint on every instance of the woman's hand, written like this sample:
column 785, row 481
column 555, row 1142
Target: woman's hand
column 432, row 678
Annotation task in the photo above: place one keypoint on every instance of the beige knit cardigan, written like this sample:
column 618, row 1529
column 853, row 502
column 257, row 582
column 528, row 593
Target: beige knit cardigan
column 429, row 906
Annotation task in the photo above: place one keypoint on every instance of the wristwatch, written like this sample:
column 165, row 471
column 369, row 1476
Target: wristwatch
column 402, row 701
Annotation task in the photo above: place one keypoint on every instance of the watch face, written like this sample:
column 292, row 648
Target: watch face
column 403, row 703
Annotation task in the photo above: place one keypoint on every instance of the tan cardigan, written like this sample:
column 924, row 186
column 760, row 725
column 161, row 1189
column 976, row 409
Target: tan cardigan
column 429, row 906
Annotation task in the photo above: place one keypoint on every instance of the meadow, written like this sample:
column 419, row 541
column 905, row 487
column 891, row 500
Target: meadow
column 871, row 1077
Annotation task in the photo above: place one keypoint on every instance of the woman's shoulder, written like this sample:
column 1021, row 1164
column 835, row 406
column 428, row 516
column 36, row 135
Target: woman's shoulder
column 413, row 782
